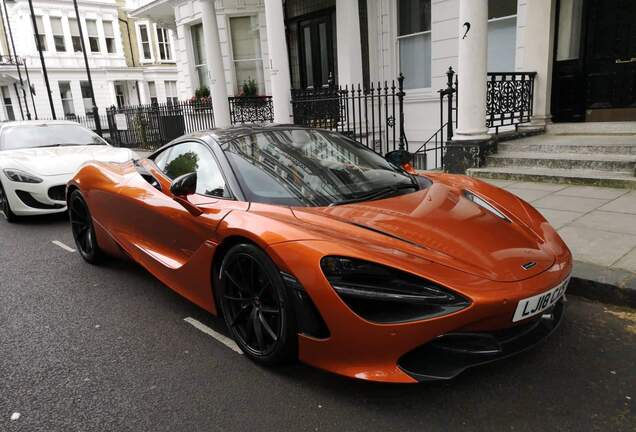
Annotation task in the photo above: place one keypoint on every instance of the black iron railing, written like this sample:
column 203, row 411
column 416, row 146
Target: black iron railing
column 88, row 120
column 509, row 98
column 151, row 126
column 251, row 109
column 430, row 155
column 372, row 116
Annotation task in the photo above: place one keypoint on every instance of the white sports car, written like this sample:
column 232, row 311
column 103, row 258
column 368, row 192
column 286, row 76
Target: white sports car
column 37, row 158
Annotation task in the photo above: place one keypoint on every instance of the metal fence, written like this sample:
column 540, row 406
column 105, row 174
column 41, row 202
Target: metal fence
column 372, row 116
column 509, row 100
column 151, row 126
column 509, row 97
column 251, row 109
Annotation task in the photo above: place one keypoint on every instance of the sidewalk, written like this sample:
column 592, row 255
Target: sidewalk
column 598, row 224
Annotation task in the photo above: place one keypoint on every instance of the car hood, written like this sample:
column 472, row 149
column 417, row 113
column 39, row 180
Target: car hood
column 447, row 228
column 49, row 161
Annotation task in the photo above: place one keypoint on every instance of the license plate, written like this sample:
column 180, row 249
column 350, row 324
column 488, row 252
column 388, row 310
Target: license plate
column 534, row 305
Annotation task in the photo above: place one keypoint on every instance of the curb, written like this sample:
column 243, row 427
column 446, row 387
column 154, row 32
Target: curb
column 594, row 282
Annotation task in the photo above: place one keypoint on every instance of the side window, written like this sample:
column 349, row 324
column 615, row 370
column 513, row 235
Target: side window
column 160, row 159
column 194, row 157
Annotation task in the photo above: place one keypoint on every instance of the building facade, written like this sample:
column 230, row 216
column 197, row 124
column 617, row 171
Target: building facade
column 129, row 63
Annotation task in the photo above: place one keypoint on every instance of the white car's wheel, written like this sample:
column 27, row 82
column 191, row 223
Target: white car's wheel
column 5, row 206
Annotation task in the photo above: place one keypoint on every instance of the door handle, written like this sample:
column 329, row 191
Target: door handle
column 621, row 61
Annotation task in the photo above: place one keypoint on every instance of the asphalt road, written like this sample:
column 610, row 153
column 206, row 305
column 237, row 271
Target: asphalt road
column 86, row 348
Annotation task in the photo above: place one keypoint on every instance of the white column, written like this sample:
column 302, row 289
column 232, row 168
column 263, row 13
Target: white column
column 349, row 46
column 473, row 56
column 279, row 63
column 538, row 55
column 214, row 56
column 143, row 92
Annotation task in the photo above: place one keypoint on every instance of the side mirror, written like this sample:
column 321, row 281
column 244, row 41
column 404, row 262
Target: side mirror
column 399, row 157
column 181, row 188
column 184, row 185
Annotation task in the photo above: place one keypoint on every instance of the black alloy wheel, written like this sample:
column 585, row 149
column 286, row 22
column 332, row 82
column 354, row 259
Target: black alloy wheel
column 255, row 305
column 5, row 206
column 82, row 227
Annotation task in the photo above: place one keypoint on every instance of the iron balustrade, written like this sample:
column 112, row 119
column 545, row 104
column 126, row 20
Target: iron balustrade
column 372, row 116
column 430, row 155
column 509, row 98
column 251, row 109
column 151, row 126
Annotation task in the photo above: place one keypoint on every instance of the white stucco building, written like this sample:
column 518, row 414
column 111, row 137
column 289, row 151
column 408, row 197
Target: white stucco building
column 130, row 62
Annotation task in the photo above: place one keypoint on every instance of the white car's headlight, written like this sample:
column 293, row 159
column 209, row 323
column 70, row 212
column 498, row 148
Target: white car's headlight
column 21, row 176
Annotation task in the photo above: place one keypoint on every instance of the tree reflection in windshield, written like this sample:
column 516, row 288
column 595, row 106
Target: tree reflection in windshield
column 185, row 163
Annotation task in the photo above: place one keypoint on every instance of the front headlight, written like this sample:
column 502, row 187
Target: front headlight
column 21, row 176
column 386, row 295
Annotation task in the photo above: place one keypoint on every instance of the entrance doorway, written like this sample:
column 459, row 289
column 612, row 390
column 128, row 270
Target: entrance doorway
column 316, row 50
column 595, row 61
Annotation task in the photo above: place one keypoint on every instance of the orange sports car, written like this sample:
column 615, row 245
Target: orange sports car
column 312, row 246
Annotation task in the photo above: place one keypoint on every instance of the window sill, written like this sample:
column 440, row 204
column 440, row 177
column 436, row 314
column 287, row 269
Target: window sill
column 420, row 95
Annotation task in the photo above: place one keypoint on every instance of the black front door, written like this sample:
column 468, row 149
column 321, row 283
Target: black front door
column 595, row 60
column 611, row 54
column 316, row 43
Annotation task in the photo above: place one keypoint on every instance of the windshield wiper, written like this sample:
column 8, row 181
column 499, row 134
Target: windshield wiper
column 376, row 194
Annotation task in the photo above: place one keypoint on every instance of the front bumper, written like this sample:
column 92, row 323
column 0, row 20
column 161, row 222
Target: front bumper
column 30, row 199
column 449, row 355
column 371, row 351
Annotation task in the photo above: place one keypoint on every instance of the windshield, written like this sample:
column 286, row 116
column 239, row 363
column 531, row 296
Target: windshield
column 300, row 167
column 47, row 135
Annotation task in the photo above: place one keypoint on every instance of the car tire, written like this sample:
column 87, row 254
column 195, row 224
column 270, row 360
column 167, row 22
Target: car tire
column 5, row 206
column 256, row 306
column 83, row 229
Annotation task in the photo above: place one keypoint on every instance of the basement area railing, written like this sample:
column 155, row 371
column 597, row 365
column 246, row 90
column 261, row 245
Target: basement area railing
column 373, row 116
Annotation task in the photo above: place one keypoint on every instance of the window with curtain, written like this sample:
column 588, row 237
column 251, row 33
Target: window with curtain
column 200, row 62
column 41, row 36
column 109, row 34
column 171, row 92
column 152, row 92
column 8, row 105
column 93, row 36
column 414, row 42
column 75, row 35
column 163, row 41
column 144, row 40
column 246, row 55
column 86, row 97
column 58, row 34
column 502, row 35
column 67, row 98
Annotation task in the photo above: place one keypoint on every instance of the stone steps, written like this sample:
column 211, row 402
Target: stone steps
column 548, row 175
column 602, row 154
column 583, row 161
column 625, row 145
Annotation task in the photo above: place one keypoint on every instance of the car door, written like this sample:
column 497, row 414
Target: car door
column 171, row 241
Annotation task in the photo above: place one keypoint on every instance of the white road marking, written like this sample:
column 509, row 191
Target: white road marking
column 63, row 246
column 218, row 336
column 15, row 416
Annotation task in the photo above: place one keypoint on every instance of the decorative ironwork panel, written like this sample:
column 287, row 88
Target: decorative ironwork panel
column 509, row 98
column 251, row 109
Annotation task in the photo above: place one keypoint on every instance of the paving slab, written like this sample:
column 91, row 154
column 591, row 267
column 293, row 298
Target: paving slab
column 627, row 262
column 550, row 187
column 577, row 204
column 595, row 246
column 622, row 223
column 500, row 183
column 592, row 192
column 528, row 195
column 559, row 218
column 623, row 204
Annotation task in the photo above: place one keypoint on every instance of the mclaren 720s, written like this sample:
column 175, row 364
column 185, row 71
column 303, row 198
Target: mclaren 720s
column 313, row 247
